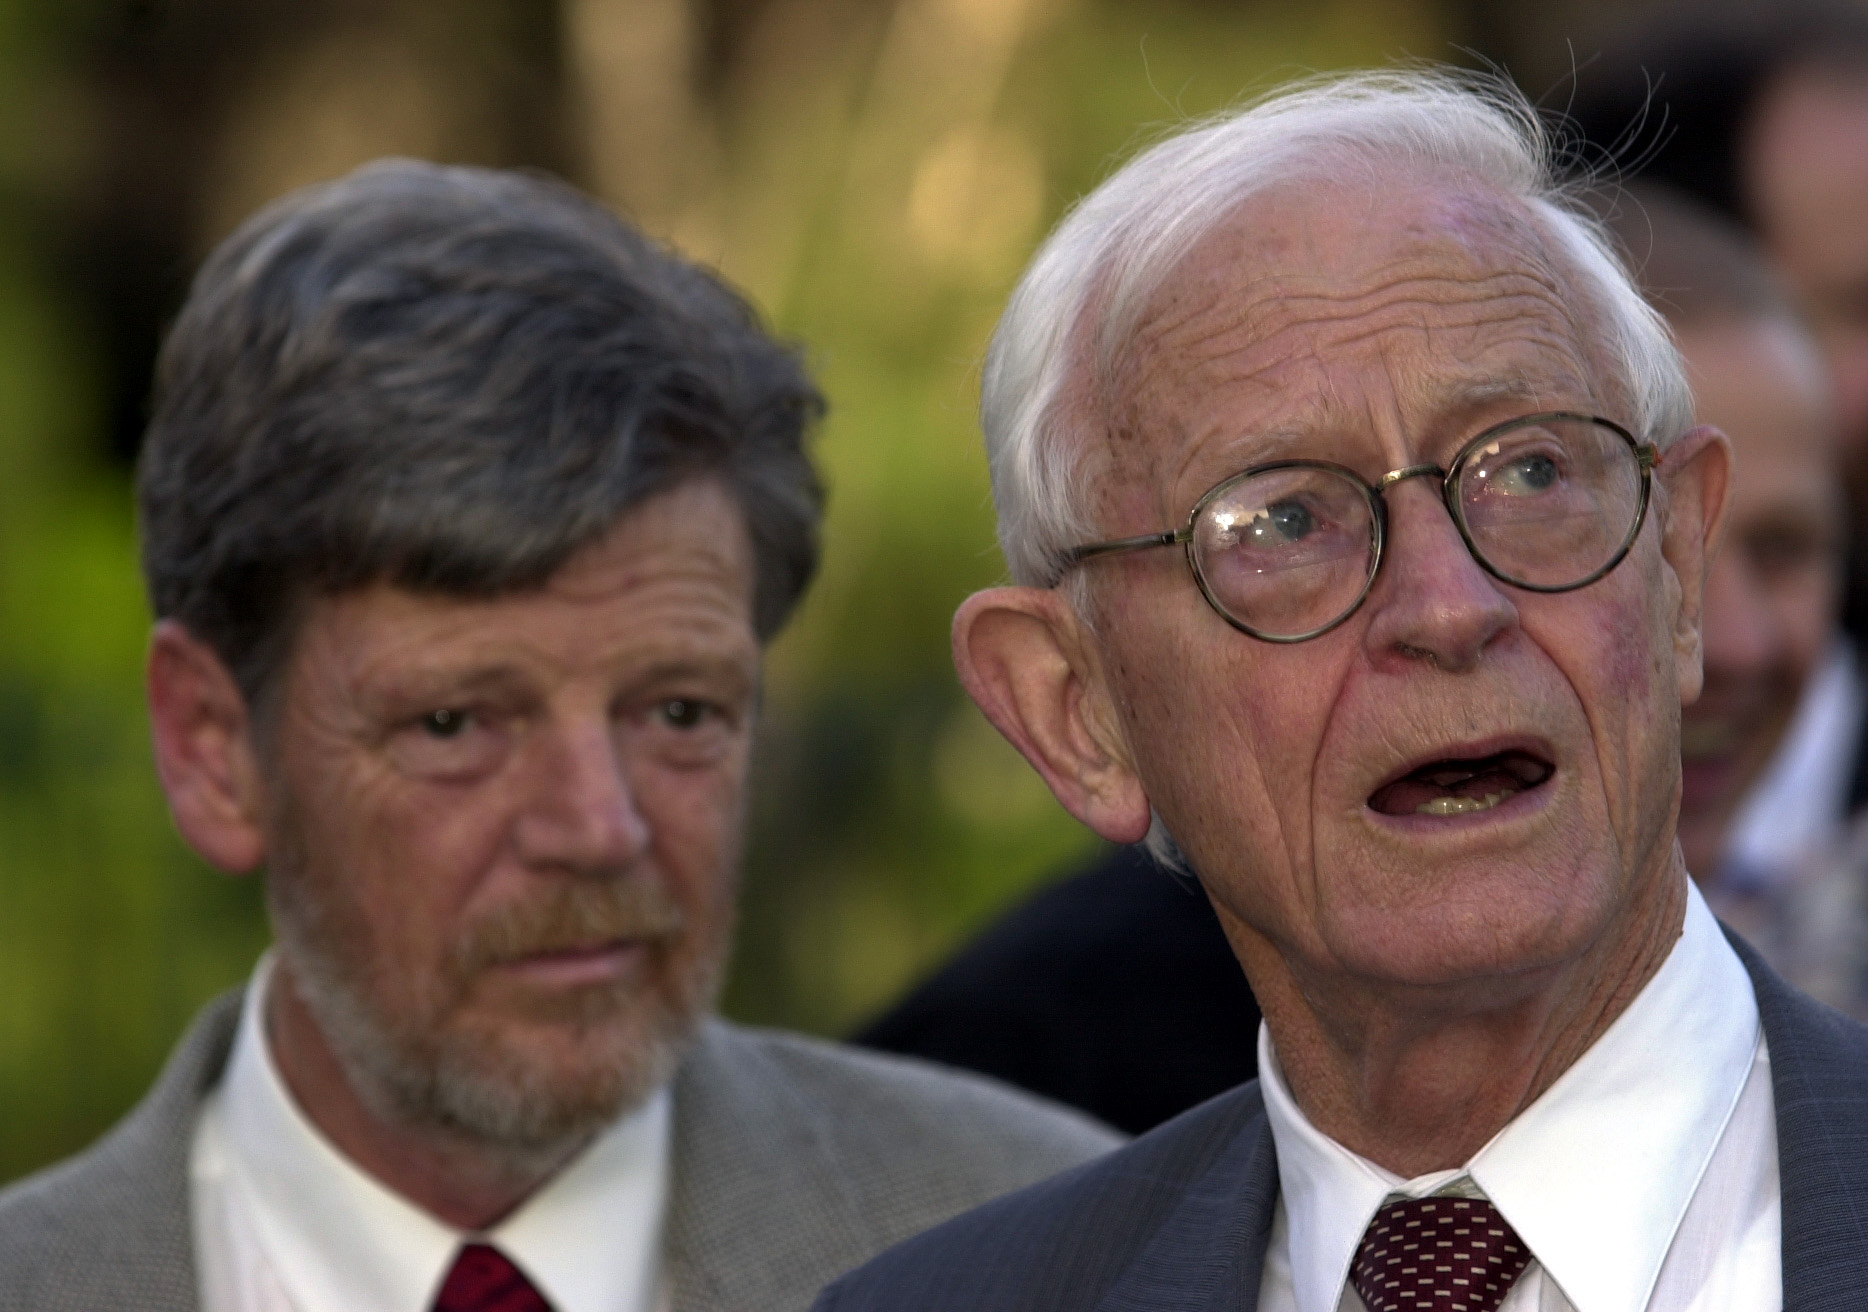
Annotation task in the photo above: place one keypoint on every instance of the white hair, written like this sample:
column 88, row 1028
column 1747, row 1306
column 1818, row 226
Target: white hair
column 1110, row 255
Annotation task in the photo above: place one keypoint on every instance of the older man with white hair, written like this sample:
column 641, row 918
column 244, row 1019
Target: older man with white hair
column 1359, row 530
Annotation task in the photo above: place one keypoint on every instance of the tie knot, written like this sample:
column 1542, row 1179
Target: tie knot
column 1438, row 1254
column 483, row 1279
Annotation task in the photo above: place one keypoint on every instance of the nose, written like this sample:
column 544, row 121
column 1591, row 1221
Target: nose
column 1433, row 601
column 581, row 814
column 1739, row 636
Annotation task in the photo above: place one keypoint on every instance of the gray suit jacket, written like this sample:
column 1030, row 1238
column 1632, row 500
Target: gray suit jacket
column 1180, row 1220
column 793, row 1160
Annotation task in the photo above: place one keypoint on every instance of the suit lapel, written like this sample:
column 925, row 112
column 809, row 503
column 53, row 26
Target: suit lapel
column 1210, row 1253
column 1819, row 1081
column 159, row 1138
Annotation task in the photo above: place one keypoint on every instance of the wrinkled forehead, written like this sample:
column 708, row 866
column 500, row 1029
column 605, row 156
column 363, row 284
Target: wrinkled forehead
column 1436, row 292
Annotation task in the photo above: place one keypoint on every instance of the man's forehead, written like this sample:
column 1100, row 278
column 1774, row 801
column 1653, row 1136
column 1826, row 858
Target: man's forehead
column 674, row 574
column 1291, row 281
column 1331, row 230
column 1336, row 254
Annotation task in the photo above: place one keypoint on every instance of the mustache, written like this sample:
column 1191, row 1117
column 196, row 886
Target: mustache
column 568, row 916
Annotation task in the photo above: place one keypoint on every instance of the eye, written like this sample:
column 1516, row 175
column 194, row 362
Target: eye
column 444, row 723
column 1282, row 521
column 451, row 743
column 1527, row 475
column 685, row 712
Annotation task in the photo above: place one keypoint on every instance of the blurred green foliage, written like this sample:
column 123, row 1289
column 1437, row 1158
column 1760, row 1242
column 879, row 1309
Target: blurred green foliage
column 111, row 933
column 879, row 208
column 890, row 819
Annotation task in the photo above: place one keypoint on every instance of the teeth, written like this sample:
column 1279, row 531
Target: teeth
column 1463, row 805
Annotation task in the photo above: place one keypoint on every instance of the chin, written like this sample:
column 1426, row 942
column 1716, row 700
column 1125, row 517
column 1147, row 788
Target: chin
column 1502, row 920
column 540, row 1085
column 527, row 1078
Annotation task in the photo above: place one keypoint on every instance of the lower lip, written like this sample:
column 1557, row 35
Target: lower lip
column 579, row 968
column 1516, row 807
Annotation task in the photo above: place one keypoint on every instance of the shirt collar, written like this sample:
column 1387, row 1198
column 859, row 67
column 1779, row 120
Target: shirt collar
column 338, row 1238
column 1595, row 1175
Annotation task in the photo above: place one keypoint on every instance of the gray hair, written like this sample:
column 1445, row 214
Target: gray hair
column 450, row 379
column 1086, row 291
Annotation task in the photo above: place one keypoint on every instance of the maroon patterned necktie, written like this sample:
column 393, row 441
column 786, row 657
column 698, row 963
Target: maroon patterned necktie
column 485, row 1280
column 1438, row 1254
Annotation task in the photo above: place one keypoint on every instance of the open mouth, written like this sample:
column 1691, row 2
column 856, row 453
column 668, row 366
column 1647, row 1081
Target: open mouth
column 1462, row 785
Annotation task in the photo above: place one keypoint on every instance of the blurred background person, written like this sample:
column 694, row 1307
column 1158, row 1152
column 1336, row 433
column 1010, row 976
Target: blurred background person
column 1804, row 161
column 1761, row 113
column 1768, row 748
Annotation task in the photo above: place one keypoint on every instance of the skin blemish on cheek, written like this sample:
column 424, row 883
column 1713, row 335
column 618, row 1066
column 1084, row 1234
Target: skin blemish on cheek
column 1632, row 661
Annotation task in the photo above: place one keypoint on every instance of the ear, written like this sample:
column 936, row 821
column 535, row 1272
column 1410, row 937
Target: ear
column 1032, row 666
column 1695, row 476
column 203, row 737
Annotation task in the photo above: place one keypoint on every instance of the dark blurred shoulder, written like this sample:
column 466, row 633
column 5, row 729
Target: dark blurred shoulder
column 1112, row 990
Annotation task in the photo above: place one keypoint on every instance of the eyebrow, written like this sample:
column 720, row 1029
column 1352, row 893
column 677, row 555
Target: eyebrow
column 675, row 668
column 499, row 675
column 448, row 683
column 1262, row 445
column 1478, row 394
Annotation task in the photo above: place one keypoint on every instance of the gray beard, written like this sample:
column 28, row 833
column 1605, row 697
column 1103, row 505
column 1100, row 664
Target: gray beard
column 415, row 1071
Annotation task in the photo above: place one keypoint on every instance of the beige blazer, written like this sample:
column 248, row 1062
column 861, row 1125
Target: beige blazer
column 793, row 1161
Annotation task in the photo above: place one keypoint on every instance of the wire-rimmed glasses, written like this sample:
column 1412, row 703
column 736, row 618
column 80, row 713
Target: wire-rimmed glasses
column 1287, row 551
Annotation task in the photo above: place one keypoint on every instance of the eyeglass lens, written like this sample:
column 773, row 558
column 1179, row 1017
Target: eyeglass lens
column 1287, row 552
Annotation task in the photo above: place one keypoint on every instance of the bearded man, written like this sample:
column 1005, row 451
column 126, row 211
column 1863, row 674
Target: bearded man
column 466, row 514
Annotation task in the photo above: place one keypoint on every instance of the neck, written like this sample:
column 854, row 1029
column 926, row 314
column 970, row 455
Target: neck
column 461, row 1181
column 1417, row 1079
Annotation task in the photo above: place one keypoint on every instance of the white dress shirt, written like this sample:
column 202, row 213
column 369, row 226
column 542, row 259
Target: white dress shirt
column 1643, row 1180
column 284, row 1222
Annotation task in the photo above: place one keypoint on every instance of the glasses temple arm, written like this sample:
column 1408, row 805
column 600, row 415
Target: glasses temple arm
column 1077, row 555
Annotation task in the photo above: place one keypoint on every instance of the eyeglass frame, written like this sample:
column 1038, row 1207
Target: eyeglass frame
column 1647, row 457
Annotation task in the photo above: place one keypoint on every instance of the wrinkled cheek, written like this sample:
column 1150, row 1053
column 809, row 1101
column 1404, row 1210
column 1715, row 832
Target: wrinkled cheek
column 1210, row 764
column 1633, row 659
column 421, row 902
column 1641, row 698
column 697, row 826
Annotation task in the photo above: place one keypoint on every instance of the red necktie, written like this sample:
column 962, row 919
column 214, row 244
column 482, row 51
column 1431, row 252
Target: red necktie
column 1438, row 1255
column 485, row 1280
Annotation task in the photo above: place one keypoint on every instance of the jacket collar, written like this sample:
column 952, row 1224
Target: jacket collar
column 137, row 1202
column 1209, row 1255
column 1819, row 1082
